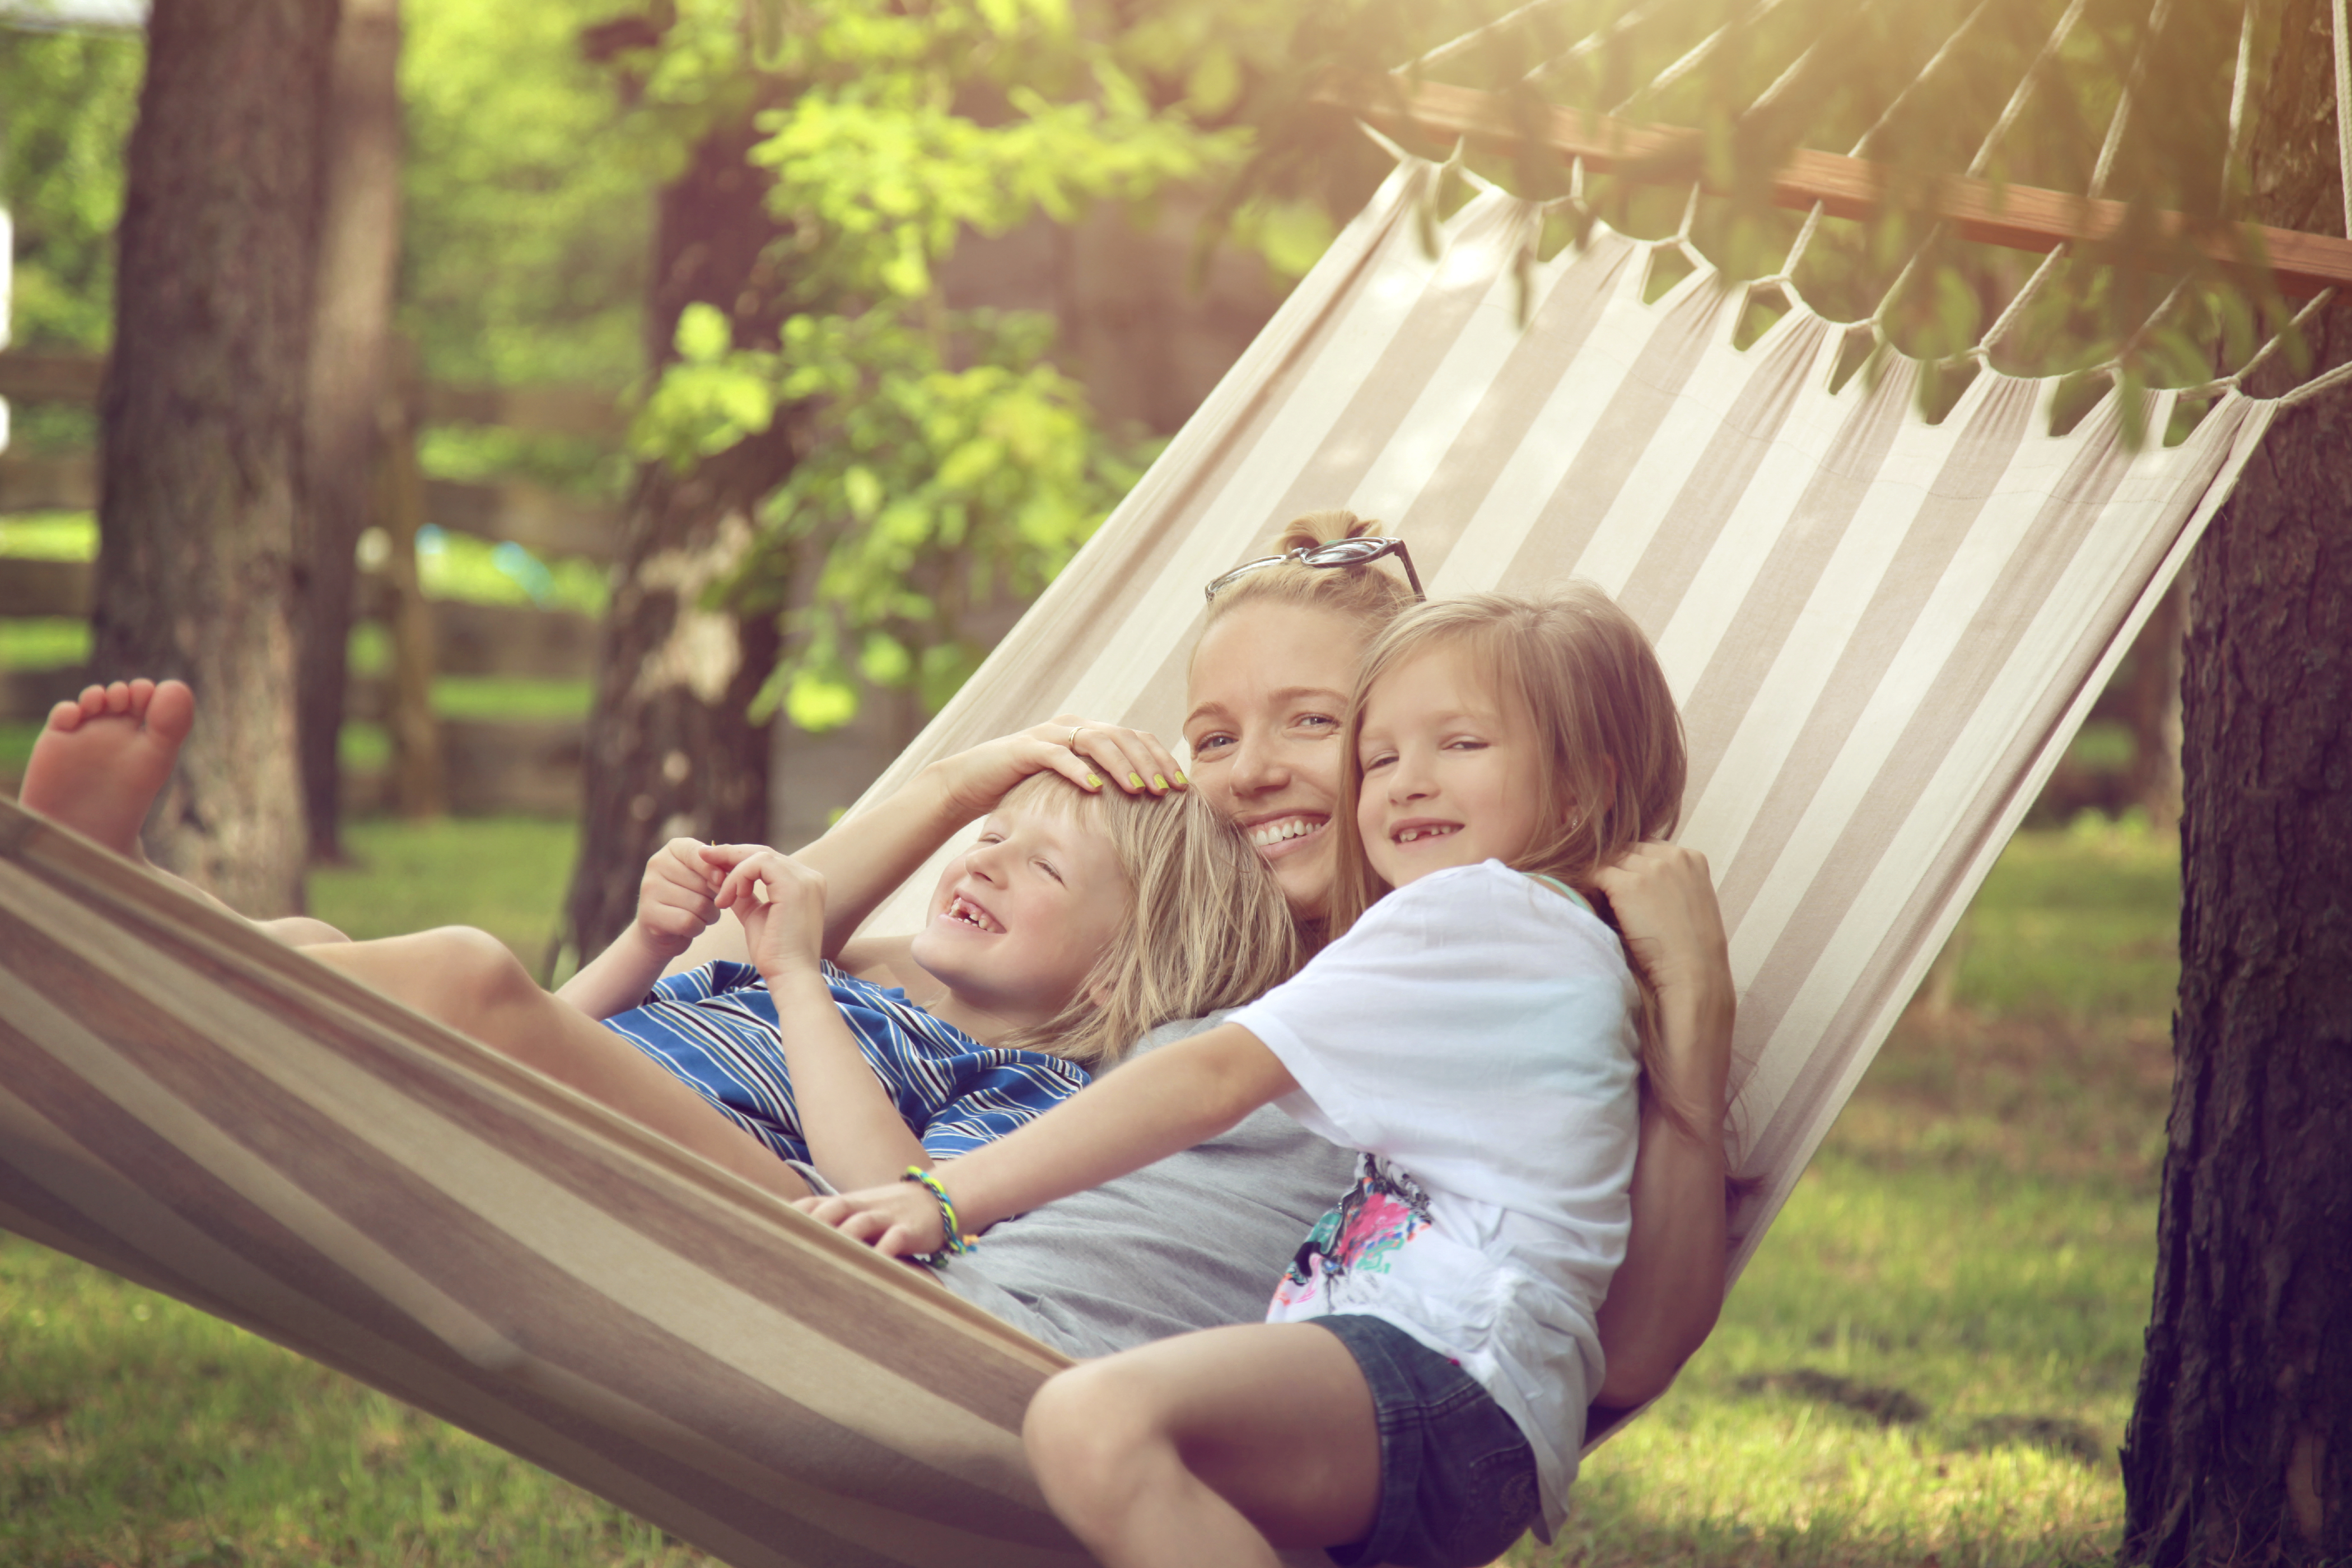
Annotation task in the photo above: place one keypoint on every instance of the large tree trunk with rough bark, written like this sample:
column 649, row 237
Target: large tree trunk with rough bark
column 359, row 252
column 671, row 750
column 2239, row 1448
column 202, row 422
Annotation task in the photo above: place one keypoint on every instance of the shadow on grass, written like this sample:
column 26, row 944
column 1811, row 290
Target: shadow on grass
column 1887, row 1406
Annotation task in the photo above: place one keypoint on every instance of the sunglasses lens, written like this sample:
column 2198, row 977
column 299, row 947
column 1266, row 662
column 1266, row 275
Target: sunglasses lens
column 1348, row 551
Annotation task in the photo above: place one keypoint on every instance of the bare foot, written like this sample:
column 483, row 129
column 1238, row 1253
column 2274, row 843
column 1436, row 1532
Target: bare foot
column 102, row 759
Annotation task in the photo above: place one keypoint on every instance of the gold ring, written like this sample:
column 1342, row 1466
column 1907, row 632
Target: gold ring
column 1073, row 741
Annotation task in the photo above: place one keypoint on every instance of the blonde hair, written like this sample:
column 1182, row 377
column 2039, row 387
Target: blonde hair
column 1606, row 727
column 1369, row 594
column 1206, row 924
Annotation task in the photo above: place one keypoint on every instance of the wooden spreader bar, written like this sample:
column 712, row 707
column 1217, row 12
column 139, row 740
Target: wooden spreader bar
column 2020, row 217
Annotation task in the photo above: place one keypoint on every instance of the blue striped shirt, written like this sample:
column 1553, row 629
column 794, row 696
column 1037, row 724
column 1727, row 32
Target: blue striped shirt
column 715, row 1028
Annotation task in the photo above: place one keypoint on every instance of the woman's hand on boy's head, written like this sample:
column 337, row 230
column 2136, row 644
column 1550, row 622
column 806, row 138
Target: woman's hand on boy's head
column 901, row 1219
column 1088, row 753
column 780, row 901
column 674, row 902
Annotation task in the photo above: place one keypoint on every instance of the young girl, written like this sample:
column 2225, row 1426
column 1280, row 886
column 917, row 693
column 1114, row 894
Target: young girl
column 1083, row 917
column 1419, row 1390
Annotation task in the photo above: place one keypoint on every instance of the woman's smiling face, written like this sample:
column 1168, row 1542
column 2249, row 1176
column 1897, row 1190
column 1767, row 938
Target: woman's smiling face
column 1268, row 695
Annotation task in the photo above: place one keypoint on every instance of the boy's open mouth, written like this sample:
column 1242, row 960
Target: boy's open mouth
column 1267, row 836
column 963, row 909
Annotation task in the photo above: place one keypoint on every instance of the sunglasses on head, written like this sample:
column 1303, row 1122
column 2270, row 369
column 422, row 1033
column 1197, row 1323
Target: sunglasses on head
column 1360, row 552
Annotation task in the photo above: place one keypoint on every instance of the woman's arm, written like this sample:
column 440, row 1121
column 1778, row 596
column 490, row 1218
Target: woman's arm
column 1149, row 1108
column 1669, row 1291
column 864, row 857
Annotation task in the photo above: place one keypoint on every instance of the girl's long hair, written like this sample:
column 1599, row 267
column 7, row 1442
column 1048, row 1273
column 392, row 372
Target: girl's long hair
column 1586, row 679
column 1206, row 925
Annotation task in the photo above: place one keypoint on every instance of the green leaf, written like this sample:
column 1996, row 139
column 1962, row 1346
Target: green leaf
column 863, row 490
column 703, row 333
column 817, row 702
column 884, row 661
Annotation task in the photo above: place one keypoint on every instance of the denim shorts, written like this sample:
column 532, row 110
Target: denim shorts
column 1457, row 1477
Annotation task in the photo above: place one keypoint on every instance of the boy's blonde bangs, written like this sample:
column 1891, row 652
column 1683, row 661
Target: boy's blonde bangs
column 1206, row 926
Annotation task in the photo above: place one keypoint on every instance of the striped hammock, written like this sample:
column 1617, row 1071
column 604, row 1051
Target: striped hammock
column 1883, row 633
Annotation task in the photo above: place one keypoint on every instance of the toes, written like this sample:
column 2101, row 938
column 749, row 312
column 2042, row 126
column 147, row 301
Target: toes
column 171, row 711
column 118, row 699
column 65, row 717
column 142, row 690
column 92, row 701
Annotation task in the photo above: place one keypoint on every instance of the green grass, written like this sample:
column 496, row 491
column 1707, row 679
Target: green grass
column 50, row 536
column 507, row 875
column 1930, row 1360
column 1933, row 1355
column 47, row 642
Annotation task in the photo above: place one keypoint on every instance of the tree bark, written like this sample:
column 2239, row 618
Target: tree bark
column 202, row 422
column 358, row 251
column 671, row 750
column 2240, row 1446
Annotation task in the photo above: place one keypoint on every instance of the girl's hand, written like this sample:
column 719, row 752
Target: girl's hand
column 780, row 901
column 674, row 902
column 1087, row 751
column 900, row 1220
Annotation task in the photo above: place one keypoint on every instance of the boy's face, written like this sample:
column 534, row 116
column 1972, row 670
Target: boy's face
column 1451, row 769
column 1018, row 920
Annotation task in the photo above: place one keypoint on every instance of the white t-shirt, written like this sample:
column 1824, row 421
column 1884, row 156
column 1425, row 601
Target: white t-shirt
column 1473, row 1034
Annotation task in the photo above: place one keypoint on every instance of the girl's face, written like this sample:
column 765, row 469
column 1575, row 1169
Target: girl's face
column 1453, row 774
column 1017, row 922
column 1267, row 694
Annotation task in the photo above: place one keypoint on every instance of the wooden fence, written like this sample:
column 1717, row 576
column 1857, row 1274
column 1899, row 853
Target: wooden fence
column 470, row 765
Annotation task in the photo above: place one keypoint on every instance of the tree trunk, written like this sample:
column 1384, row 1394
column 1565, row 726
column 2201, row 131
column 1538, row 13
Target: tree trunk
column 2240, row 1448
column 669, row 750
column 202, row 422
column 359, row 250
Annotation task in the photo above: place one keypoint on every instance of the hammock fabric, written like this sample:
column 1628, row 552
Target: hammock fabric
column 1883, row 633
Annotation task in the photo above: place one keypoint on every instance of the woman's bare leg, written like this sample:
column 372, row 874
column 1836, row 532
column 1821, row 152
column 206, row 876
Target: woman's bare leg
column 1205, row 1447
column 102, row 759
column 468, row 980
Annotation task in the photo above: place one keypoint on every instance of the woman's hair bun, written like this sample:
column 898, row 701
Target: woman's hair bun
column 1321, row 528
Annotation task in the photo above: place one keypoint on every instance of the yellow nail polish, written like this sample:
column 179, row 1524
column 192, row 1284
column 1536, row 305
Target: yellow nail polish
column 1135, row 780
column 1093, row 783
column 1180, row 781
column 1157, row 781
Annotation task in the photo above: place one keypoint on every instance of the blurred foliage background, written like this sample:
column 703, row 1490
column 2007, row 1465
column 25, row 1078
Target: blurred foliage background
column 950, row 457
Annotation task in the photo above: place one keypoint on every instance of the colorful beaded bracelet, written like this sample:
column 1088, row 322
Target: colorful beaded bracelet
column 956, row 1241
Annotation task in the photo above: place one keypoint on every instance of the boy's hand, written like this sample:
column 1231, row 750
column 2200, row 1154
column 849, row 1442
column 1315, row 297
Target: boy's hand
column 900, row 1220
column 1087, row 751
column 674, row 902
column 780, row 901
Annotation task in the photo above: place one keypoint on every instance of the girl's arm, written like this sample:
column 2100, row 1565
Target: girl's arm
column 855, row 1135
column 673, row 906
column 1667, row 1294
column 1149, row 1108
column 864, row 857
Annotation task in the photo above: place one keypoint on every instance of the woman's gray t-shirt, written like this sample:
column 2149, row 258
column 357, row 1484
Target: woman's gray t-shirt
column 1195, row 1241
